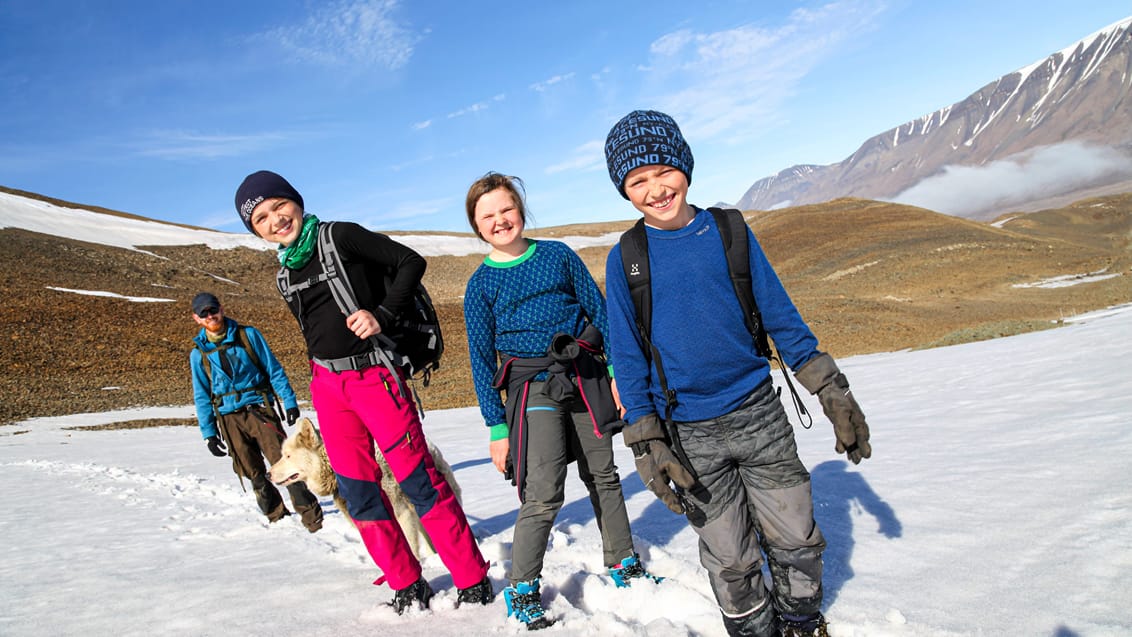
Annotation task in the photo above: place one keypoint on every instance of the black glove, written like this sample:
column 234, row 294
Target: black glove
column 656, row 464
column 292, row 415
column 821, row 376
column 216, row 446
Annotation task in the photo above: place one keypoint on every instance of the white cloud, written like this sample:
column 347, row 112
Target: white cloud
column 349, row 33
column 967, row 191
column 173, row 144
column 736, row 80
column 546, row 84
column 588, row 156
column 477, row 107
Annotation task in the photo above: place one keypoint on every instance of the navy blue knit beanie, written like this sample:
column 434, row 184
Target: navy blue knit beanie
column 645, row 138
column 259, row 186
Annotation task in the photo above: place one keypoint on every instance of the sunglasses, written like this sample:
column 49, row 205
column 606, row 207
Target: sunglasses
column 208, row 311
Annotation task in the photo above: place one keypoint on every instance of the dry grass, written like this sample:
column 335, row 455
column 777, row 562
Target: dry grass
column 867, row 276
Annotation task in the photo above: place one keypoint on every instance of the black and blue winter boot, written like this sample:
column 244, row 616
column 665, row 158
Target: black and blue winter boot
column 630, row 569
column 524, row 602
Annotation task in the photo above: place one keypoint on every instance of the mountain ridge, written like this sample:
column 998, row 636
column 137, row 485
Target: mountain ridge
column 1080, row 95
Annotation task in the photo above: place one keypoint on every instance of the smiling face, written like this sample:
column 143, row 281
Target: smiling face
column 661, row 194
column 499, row 221
column 212, row 321
column 278, row 220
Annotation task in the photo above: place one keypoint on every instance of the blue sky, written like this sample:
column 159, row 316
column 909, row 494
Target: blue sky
column 383, row 112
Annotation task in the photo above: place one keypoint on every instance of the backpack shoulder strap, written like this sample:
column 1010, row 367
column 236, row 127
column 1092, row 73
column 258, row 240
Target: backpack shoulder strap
column 635, row 261
column 336, row 277
column 242, row 341
column 736, row 247
column 204, row 364
column 265, row 388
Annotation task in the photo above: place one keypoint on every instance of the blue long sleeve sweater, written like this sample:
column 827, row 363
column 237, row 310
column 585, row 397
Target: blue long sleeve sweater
column 708, row 354
column 514, row 308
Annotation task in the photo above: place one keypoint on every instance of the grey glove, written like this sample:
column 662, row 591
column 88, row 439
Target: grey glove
column 821, row 376
column 656, row 464
column 216, row 446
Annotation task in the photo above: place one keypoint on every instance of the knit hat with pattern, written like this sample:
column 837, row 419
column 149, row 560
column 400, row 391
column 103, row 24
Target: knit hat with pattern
column 645, row 138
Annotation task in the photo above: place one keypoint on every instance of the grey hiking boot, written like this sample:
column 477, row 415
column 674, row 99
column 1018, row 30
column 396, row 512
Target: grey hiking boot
column 418, row 593
column 481, row 593
column 814, row 626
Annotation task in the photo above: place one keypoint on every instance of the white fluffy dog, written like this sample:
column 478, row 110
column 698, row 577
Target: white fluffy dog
column 304, row 458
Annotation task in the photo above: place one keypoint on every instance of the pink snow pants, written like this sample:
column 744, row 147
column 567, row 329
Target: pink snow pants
column 355, row 410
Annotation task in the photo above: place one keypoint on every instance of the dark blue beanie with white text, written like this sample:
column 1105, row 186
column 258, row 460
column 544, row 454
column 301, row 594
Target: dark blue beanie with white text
column 645, row 138
column 261, row 185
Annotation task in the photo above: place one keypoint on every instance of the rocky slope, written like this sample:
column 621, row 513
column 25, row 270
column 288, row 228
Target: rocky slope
column 868, row 276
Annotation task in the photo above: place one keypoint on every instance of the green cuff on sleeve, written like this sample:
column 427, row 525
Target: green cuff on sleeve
column 499, row 432
column 610, row 368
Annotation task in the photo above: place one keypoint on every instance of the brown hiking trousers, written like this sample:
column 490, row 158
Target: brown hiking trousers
column 253, row 433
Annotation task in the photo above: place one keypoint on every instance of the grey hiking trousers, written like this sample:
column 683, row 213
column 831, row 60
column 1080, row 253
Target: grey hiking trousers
column 558, row 433
column 756, row 499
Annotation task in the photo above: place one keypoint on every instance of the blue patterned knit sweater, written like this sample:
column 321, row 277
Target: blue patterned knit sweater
column 514, row 308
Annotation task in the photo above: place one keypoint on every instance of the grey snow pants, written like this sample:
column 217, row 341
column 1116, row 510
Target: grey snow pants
column 756, row 500
column 558, row 432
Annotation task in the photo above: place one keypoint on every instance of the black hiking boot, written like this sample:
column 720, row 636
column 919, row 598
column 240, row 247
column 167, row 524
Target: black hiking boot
column 481, row 593
column 418, row 593
column 809, row 627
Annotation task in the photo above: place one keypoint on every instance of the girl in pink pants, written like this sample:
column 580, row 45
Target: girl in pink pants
column 360, row 395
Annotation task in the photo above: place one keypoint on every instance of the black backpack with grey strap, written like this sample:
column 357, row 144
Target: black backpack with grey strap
column 736, row 246
column 414, row 342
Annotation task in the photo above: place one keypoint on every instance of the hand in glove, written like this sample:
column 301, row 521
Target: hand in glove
column 821, row 376
column 292, row 415
column 216, row 446
column 656, row 464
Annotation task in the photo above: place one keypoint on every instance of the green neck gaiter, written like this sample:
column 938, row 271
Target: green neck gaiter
column 299, row 253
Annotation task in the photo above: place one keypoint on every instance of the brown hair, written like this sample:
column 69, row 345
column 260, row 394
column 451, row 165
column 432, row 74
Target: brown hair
column 493, row 181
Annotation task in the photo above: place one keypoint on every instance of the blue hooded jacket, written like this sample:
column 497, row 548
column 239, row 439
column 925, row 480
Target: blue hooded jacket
column 237, row 379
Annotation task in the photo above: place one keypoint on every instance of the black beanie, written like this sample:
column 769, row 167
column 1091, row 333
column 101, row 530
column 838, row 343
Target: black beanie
column 645, row 138
column 259, row 186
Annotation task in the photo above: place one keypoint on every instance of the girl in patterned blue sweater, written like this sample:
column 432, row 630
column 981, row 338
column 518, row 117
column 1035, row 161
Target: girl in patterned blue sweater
column 536, row 322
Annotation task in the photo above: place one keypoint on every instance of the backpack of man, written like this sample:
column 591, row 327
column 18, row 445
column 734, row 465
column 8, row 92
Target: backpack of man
column 264, row 389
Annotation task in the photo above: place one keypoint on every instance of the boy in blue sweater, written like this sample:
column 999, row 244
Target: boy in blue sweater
column 743, row 488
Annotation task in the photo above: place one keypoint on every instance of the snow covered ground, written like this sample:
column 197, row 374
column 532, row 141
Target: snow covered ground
column 996, row 503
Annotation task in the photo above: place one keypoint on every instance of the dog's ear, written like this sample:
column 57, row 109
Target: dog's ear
column 306, row 436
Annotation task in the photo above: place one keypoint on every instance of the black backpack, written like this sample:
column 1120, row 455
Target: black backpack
column 413, row 343
column 736, row 246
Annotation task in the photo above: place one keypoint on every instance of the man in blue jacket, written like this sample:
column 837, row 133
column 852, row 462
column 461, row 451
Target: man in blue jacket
column 235, row 377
